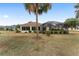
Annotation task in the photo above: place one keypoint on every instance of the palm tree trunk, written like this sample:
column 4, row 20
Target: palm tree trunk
column 37, row 30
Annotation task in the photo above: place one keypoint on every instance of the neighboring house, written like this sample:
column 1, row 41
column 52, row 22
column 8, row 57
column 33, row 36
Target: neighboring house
column 53, row 25
column 30, row 26
column 10, row 28
column 5, row 28
column 2, row 28
column 77, row 27
column 74, row 28
column 13, row 27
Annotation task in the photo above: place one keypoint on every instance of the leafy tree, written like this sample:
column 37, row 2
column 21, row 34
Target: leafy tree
column 18, row 26
column 17, row 29
column 37, row 9
column 72, row 22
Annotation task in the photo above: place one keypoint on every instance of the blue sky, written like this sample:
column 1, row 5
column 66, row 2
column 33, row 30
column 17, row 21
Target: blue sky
column 15, row 13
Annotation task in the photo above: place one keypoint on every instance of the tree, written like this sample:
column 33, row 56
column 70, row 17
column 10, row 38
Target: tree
column 72, row 22
column 37, row 9
column 18, row 26
column 17, row 29
column 77, row 10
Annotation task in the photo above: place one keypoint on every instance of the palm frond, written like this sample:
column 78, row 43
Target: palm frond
column 42, row 7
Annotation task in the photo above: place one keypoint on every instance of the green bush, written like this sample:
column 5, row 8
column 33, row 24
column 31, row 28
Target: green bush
column 55, row 31
column 17, row 31
column 52, row 32
column 30, row 31
column 48, row 33
column 66, row 32
column 25, row 32
column 61, row 31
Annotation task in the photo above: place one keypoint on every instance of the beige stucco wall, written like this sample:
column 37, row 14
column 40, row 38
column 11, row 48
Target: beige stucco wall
column 47, row 28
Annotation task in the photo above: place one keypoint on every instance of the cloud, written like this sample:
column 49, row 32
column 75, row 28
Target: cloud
column 5, row 16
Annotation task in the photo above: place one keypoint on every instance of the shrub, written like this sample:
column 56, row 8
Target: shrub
column 25, row 32
column 17, row 31
column 52, row 32
column 66, row 32
column 43, row 32
column 55, row 31
column 61, row 31
column 48, row 33
column 10, row 29
column 30, row 31
column 58, row 32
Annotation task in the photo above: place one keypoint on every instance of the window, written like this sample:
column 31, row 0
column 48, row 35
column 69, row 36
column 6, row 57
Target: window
column 23, row 28
column 33, row 28
column 27, row 28
column 38, row 28
column 44, row 28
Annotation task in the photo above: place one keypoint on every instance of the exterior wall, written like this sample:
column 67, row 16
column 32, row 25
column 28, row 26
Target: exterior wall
column 41, row 28
column 32, row 29
column 69, row 28
column 20, row 28
column 74, row 29
column 47, row 28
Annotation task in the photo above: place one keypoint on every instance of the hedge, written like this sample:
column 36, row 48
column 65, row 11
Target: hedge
column 56, row 31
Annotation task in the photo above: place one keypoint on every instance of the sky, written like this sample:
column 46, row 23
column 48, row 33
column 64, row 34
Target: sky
column 15, row 13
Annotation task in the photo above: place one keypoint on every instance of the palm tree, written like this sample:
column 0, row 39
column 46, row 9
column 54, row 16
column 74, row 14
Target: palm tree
column 37, row 9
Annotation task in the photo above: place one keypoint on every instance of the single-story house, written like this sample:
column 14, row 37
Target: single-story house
column 53, row 25
column 74, row 28
column 12, row 27
column 77, row 27
column 2, row 28
column 30, row 26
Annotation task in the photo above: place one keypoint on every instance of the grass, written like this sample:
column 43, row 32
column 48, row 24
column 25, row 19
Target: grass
column 25, row 44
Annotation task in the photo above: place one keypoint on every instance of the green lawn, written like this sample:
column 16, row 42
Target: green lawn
column 25, row 44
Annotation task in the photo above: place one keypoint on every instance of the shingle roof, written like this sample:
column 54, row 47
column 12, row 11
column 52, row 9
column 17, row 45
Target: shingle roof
column 30, row 24
column 53, row 23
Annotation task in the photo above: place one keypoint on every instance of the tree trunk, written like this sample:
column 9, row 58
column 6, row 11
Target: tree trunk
column 37, row 31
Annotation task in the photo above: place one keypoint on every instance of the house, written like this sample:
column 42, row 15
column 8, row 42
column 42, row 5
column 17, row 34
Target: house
column 53, row 25
column 2, row 28
column 10, row 28
column 76, row 28
column 30, row 26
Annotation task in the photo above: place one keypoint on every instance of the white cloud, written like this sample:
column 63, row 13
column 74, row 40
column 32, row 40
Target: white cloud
column 5, row 16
